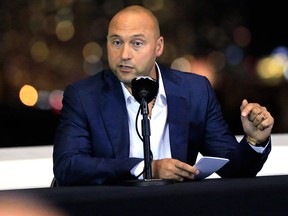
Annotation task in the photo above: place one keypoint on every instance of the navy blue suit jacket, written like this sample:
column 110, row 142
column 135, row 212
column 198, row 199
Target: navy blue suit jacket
column 92, row 141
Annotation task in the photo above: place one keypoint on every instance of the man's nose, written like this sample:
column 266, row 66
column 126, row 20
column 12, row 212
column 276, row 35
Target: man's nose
column 126, row 52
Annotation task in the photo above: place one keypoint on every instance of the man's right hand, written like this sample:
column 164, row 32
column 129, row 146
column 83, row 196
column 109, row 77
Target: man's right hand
column 170, row 168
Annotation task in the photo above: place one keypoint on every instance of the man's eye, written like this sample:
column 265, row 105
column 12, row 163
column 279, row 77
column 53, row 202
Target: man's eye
column 137, row 44
column 116, row 43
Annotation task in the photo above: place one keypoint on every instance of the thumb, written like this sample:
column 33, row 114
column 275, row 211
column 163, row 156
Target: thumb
column 243, row 105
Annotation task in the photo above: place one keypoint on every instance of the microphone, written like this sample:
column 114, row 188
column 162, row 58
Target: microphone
column 144, row 87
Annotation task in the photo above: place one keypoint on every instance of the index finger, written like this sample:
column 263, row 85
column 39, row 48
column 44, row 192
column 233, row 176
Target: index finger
column 248, row 108
column 187, row 167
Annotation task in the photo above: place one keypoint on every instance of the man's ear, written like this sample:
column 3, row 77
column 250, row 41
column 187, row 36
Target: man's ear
column 159, row 46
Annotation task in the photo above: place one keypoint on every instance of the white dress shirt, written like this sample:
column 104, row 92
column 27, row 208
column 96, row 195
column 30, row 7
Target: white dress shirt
column 159, row 138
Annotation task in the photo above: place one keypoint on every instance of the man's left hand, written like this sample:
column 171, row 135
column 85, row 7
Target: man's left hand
column 257, row 122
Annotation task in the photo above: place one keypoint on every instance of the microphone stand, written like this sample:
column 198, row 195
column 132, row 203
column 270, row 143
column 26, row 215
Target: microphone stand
column 147, row 181
column 146, row 139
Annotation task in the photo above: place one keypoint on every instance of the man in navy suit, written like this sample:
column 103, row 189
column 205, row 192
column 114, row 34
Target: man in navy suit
column 97, row 143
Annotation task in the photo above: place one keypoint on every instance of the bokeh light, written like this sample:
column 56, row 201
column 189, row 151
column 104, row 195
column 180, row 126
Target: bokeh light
column 49, row 44
column 65, row 30
column 43, row 100
column 242, row 36
column 39, row 51
column 182, row 64
column 92, row 52
column 271, row 69
column 204, row 68
column 28, row 95
column 55, row 99
column 199, row 66
column 234, row 55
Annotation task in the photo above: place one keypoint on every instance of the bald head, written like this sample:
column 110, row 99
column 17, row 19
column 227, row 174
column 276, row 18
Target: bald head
column 133, row 44
column 140, row 15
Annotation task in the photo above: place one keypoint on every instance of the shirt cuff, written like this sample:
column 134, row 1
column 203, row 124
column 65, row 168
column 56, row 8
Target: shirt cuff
column 138, row 169
column 260, row 149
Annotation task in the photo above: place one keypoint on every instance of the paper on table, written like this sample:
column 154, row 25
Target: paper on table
column 209, row 165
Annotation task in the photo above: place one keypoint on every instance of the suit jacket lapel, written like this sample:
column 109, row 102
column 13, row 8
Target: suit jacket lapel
column 115, row 116
column 178, row 109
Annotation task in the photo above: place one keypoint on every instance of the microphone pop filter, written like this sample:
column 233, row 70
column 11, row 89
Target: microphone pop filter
column 144, row 87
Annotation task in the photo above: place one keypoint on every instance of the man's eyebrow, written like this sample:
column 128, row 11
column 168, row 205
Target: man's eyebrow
column 114, row 36
column 139, row 35
column 133, row 36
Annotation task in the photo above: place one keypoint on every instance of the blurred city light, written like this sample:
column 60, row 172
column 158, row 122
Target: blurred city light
column 39, row 51
column 189, row 63
column 234, row 55
column 92, row 52
column 181, row 64
column 28, row 95
column 50, row 44
column 273, row 68
column 55, row 99
column 65, row 30
column 43, row 100
column 242, row 36
column 270, row 70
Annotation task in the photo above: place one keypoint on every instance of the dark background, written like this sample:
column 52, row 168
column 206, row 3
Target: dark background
column 184, row 25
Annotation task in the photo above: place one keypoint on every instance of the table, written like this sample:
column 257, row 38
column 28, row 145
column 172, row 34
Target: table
column 265, row 195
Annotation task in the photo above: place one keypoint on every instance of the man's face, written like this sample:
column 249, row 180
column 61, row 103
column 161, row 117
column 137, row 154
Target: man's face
column 133, row 45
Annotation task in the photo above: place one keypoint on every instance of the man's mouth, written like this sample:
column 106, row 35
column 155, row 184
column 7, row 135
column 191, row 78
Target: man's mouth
column 125, row 67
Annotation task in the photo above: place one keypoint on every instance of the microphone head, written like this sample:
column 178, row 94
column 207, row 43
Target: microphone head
column 144, row 87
